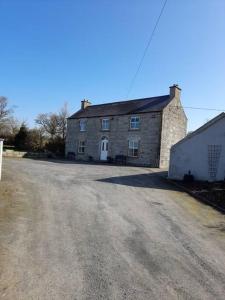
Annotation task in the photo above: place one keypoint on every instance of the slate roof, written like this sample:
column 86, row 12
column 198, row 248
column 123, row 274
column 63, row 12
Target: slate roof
column 144, row 105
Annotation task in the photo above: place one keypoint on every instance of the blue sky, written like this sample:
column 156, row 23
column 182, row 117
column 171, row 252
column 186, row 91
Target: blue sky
column 54, row 51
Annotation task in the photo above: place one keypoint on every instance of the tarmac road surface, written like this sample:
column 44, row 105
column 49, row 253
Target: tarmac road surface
column 85, row 231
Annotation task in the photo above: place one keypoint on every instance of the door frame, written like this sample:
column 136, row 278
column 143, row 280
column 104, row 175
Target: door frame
column 103, row 139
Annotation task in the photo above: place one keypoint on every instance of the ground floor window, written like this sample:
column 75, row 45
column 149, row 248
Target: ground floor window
column 133, row 148
column 81, row 147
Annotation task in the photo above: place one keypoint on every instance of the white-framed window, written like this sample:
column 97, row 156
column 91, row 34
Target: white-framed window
column 83, row 125
column 134, row 122
column 81, row 146
column 133, row 148
column 105, row 124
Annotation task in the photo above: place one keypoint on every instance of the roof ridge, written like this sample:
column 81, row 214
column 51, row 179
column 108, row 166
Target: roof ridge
column 123, row 107
column 125, row 101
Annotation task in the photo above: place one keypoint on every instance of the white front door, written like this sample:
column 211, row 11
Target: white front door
column 104, row 149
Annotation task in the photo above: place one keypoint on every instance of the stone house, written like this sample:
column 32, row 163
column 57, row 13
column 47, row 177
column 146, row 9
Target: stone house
column 202, row 153
column 143, row 130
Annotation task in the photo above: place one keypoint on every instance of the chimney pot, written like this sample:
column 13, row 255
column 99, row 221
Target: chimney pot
column 85, row 103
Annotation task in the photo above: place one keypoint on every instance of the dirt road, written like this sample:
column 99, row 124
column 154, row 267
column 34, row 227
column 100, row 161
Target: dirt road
column 79, row 231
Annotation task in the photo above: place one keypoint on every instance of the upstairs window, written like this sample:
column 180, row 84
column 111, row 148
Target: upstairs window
column 105, row 124
column 81, row 147
column 134, row 122
column 83, row 125
column 133, row 148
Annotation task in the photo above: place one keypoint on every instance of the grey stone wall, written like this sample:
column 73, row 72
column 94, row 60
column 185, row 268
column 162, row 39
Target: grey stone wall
column 12, row 153
column 119, row 134
column 174, row 127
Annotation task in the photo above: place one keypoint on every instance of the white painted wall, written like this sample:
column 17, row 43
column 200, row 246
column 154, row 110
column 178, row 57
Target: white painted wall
column 192, row 154
column 1, row 150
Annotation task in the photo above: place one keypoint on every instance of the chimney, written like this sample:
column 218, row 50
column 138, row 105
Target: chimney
column 85, row 103
column 175, row 91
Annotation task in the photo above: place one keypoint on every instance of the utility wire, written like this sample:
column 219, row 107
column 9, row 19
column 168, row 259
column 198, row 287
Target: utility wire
column 202, row 108
column 180, row 107
column 146, row 49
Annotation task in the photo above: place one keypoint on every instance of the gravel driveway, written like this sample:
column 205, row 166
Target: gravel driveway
column 79, row 231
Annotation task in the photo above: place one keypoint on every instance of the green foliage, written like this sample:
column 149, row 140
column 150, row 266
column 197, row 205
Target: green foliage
column 53, row 126
column 56, row 146
column 35, row 140
column 21, row 138
column 49, row 135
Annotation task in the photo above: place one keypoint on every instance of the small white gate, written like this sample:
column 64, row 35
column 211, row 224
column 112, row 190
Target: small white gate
column 1, row 149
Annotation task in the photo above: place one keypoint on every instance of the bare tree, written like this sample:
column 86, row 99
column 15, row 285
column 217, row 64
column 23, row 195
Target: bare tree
column 50, row 123
column 13, row 125
column 9, row 126
column 63, row 115
column 35, row 139
column 4, row 110
column 54, row 124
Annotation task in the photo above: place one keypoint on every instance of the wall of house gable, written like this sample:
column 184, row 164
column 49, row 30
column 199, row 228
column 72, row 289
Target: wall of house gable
column 174, row 127
column 119, row 134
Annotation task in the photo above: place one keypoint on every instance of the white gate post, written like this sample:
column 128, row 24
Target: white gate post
column 1, row 149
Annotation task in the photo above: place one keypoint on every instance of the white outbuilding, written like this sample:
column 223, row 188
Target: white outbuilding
column 202, row 153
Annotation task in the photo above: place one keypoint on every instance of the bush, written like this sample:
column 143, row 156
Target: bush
column 56, row 146
column 21, row 138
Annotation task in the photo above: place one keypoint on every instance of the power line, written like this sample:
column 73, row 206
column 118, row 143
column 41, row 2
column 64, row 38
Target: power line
column 146, row 49
column 180, row 107
column 202, row 108
column 198, row 108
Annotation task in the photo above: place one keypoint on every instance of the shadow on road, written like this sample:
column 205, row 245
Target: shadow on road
column 152, row 180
